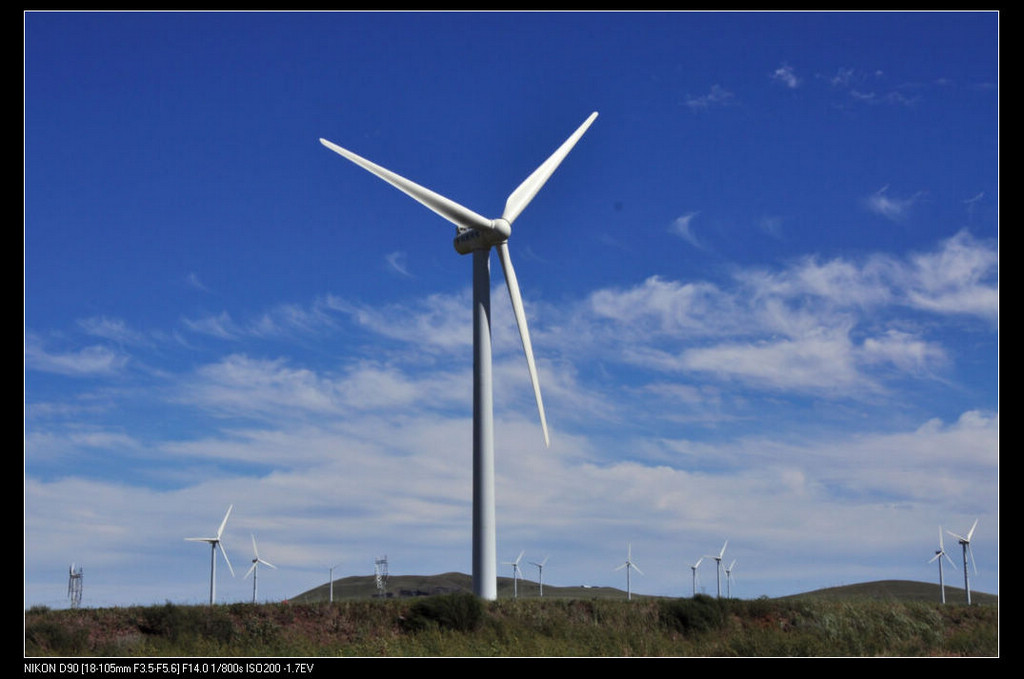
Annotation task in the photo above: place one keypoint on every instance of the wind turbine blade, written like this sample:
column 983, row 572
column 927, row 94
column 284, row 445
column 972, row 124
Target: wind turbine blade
column 637, row 569
column 255, row 552
column 449, row 209
column 937, row 555
column 267, row 563
column 525, row 192
column 225, row 554
column 524, row 332
column 520, row 556
column 970, row 553
column 951, row 562
column 722, row 553
column 251, row 569
column 958, row 537
column 971, row 532
column 225, row 521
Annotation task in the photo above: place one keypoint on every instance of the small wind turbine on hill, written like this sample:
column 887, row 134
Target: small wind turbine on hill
column 939, row 554
column 540, row 572
column 214, row 544
column 694, row 568
column 728, row 579
column 515, row 574
column 477, row 235
column 965, row 546
column 718, row 566
column 629, row 565
column 254, row 568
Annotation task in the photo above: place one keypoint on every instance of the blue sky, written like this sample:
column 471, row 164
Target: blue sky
column 762, row 289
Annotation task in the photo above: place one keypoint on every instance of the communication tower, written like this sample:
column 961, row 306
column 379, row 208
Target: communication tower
column 75, row 585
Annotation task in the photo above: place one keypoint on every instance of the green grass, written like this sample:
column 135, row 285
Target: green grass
column 459, row 624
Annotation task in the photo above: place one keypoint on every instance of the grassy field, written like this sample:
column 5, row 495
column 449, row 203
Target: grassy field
column 869, row 620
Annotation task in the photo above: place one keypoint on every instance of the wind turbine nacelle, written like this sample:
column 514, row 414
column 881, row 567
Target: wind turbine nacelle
column 469, row 240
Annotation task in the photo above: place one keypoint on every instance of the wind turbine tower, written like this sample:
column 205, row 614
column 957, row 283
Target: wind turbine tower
column 214, row 544
column 330, row 595
column 477, row 235
column 629, row 565
column 718, row 566
column 515, row 574
column 940, row 553
column 540, row 572
column 254, row 568
column 965, row 546
column 694, row 568
column 728, row 579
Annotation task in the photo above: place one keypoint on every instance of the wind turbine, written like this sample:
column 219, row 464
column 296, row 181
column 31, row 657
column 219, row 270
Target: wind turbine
column 477, row 235
column 629, row 565
column 254, row 568
column 540, row 572
column 718, row 562
column 728, row 580
column 515, row 574
column 331, row 595
column 214, row 544
column 939, row 553
column 694, row 568
column 965, row 546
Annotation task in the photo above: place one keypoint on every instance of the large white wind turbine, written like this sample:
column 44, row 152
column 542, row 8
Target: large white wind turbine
column 718, row 565
column 540, row 572
column 476, row 235
column 515, row 574
column 254, row 568
column 629, row 565
column 965, row 546
column 694, row 568
column 214, row 544
column 939, row 554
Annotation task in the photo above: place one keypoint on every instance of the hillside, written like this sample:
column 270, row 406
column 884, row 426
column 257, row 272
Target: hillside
column 898, row 590
column 405, row 586
column 461, row 625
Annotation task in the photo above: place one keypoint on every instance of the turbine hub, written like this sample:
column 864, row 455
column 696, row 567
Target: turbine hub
column 470, row 239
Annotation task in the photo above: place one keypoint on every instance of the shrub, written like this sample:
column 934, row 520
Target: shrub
column 460, row 612
column 692, row 616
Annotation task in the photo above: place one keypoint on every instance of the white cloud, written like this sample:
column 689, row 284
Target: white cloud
column 785, row 75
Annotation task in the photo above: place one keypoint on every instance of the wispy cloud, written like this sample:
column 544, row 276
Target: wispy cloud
column 398, row 262
column 718, row 96
column 890, row 207
column 683, row 227
column 87, row 361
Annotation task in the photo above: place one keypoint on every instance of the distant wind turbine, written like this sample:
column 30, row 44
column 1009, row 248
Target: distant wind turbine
column 694, row 568
column 478, row 235
column 515, row 574
column 939, row 554
column 718, row 565
column 728, row 579
column 629, row 565
column 330, row 597
column 965, row 546
column 254, row 568
column 540, row 572
column 214, row 544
